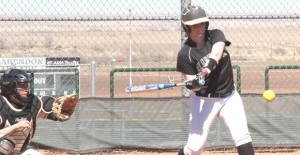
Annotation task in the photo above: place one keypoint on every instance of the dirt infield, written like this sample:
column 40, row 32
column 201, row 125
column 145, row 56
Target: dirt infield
column 222, row 151
column 137, row 152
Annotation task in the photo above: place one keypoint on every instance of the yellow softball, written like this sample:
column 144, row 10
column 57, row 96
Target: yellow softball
column 269, row 95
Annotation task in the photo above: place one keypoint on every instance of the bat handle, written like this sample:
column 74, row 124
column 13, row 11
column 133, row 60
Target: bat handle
column 201, row 82
column 201, row 79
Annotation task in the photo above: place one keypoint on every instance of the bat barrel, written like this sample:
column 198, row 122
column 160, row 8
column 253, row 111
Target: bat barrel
column 164, row 86
column 149, row 87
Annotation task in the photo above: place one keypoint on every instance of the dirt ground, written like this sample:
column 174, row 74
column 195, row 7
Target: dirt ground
column 173, row 152
column 169, row 153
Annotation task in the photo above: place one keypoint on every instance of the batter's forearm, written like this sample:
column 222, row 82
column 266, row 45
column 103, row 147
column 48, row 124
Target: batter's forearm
column 217, row 51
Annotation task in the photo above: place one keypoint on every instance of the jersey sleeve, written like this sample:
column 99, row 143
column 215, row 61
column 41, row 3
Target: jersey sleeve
column 185, row 62
column 217, row 36
column 46, row 110
column 2, row 116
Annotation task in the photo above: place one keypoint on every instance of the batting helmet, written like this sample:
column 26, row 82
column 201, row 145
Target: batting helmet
column 9, row 80
column 193, row 15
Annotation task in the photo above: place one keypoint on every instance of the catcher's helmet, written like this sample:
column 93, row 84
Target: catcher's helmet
column 15, row 75
column 193, row 15
column 9, row 80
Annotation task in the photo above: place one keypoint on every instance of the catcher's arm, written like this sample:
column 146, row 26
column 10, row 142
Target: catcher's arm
column 64, row 106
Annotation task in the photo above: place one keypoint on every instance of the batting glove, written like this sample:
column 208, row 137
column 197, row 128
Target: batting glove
column 192, row 84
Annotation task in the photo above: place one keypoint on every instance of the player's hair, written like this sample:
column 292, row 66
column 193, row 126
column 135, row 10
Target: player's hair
column 9, row 81
column 193, row 15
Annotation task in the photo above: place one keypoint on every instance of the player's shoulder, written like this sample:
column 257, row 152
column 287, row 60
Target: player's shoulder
column 47, row 98
column 184, row 52
column 44, row 101
column 2, row 101
column 187, row 46
column 38, row 99
column 215, row 31
column 184, row 49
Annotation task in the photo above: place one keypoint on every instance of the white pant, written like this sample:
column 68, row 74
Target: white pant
column 31, row 151
column 203, row 113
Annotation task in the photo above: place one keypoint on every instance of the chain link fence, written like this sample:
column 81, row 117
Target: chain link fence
column 99, row 38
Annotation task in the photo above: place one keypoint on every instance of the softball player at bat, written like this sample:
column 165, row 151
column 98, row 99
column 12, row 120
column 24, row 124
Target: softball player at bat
column 204, row 55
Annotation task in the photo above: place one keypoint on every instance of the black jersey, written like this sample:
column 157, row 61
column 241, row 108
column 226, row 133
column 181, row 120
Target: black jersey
column 38, row 107
column 190, row 59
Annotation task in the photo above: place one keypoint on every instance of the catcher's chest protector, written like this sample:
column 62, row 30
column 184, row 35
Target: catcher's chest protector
column 10, row 115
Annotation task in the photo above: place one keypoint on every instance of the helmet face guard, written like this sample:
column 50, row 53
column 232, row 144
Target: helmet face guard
column 193, row 15
column 9, row 81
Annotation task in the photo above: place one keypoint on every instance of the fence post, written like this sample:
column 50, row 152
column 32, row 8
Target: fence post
column 267, row 78
column 184, row 4
column 93, row 78
column 238, row 77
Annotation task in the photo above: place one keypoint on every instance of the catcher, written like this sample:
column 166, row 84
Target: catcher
column 19, row 110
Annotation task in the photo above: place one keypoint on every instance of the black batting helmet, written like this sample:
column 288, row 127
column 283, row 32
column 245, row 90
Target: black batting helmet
column 193, row 15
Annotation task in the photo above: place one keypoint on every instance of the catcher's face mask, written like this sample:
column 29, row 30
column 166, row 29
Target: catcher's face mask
column 23, row 89
column 15, row 86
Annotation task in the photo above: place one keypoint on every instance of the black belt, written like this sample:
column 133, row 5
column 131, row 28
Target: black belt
column 216, row 94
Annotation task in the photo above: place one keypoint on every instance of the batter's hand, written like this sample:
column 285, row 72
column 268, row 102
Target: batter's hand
column 192, row 84
column 203, row 73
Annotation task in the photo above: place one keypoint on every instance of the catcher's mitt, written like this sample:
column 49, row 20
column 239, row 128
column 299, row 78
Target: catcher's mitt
column 64, row 106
